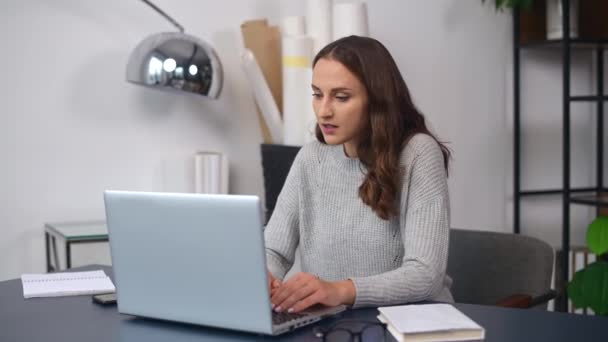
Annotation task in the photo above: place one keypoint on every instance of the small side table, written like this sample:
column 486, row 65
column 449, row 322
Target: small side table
column 71, row 233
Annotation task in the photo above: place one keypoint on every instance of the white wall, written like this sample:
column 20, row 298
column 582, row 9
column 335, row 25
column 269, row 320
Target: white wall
column 71, row 126
column 453, row 55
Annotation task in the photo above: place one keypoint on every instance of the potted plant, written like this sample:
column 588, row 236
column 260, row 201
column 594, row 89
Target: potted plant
column 589, row 286
column 502, row 4
column 542, row 17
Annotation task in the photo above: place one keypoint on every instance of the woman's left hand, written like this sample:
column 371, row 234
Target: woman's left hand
column 304, row 290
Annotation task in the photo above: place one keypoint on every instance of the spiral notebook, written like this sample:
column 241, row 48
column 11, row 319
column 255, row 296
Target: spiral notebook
column 66, row 284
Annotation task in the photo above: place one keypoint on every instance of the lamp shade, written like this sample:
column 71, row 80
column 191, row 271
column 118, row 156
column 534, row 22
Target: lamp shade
column 176, row 61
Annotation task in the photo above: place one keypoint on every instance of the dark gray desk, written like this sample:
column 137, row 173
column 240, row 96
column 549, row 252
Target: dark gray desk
column 78, row 319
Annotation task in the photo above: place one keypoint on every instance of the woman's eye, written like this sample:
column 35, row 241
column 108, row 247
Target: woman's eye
column 342, row 98
column 316, row 95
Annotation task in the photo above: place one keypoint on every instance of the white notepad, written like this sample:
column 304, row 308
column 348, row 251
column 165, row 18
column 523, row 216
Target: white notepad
column 66, row 284
column 429, row 322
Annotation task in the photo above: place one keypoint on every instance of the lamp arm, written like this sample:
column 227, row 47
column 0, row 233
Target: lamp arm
column 171, row 20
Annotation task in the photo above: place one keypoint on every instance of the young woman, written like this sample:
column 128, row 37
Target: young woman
column 367, row 204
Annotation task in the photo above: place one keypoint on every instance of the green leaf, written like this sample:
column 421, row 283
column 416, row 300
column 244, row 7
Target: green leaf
column 596, row 287
column 589, row 288
column 526, row 3
column 575, row 289
column 597, row 235
column 502, row 4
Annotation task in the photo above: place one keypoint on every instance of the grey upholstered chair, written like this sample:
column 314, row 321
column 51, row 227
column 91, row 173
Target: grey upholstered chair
column 500, row 269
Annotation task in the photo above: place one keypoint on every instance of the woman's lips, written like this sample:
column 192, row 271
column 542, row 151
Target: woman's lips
column 328, row 129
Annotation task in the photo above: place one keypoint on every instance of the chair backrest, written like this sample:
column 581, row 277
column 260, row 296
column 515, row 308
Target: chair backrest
column 489, row 266
column 276, row 162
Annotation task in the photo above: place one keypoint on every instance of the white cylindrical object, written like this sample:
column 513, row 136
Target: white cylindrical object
column 555, row 12
column 318, row 23
column 225, row 175
column 263, row 96
column 350, row 18
column 298, row 115
column 214, row 165
column 210, row 173
column 198, row 173
column 293, row 26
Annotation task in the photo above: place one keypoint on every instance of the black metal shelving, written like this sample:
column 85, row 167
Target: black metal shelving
column 599, row 201
column 579, row 43
column 570, row 195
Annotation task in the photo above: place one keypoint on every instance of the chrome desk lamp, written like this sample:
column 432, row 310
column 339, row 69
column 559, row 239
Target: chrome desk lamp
column 176, row 61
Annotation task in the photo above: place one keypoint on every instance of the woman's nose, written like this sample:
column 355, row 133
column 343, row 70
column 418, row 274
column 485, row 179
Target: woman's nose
column 325, row 109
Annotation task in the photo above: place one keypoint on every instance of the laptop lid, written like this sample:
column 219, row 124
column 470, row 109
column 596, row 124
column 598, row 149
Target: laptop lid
column 191, row 258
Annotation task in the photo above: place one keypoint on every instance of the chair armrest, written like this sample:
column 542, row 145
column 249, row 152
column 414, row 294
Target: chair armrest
column 543, row 298
column 526, row 301
column 516, row 301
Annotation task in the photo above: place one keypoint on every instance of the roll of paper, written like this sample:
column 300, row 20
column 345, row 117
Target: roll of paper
column 350, row 18
column 263, row 96
column 318, row 23
column 265, row 43
column 293, row 26
column 210, row 173
column 298, row 115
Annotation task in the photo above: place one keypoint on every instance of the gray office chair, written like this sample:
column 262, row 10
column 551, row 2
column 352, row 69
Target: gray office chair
column 500, row 269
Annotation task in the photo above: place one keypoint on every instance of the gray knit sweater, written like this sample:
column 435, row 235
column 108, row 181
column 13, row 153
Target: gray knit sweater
column 339, row 237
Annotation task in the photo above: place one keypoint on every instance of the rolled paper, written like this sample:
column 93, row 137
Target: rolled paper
column 265, row 43
column 298, row 114
column 263, row 96
column 293, row 26
column 350, row 18
column 319, row 23
column 210, row 173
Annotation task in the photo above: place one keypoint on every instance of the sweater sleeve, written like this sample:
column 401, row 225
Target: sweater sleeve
column 424, row 227
column 282, row 231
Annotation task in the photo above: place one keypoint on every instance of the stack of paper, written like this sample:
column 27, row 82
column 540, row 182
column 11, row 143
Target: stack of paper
column 66, row 284
column 429, row 322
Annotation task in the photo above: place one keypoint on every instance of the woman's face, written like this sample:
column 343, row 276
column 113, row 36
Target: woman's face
column 340, row 104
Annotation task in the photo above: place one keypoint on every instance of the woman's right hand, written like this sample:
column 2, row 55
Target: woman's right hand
column 273, row 283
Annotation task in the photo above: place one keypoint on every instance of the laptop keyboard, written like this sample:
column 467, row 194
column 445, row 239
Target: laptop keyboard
column 283, row 317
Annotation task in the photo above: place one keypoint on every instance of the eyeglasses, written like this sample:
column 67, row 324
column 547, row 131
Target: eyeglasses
column 352, row 331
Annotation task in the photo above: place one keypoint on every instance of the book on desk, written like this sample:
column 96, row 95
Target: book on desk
column 429, row 322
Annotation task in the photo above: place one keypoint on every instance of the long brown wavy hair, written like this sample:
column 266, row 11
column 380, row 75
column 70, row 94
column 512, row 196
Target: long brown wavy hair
column 393, row 119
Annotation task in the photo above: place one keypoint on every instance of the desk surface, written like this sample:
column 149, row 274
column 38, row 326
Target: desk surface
column 78, row 319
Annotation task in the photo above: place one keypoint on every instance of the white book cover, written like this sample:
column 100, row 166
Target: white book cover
column 66, row 284
column 432, row 319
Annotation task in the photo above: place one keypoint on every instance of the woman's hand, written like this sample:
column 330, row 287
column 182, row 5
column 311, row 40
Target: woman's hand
column 304, row 290
column 273, row 283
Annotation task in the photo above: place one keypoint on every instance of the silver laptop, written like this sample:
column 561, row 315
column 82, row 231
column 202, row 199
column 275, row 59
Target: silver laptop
column 195, row 258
